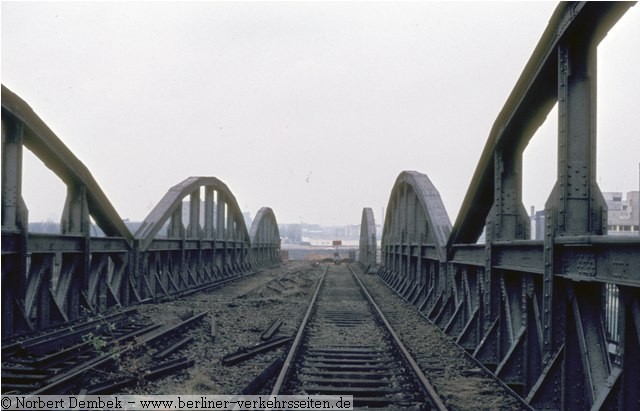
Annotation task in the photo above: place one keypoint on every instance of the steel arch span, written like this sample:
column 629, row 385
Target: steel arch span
column 182, row 246
column 557, row 320
column 49, row 279
column 368, row 241
column 217, row 216
column 415, row 212
column 22, row 127
column 186, row 244
column 265, row 238
column 416, row 227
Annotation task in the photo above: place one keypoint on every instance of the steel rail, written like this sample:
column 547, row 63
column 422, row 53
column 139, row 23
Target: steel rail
column 426, row 385
column 260, row 380
column 271, row 330
column 34, row 342
column 208, row 287
column 245, row 354
column 467, row 354
column 59, row 380
column 157, row 371
column 147, row 338
column 296, row 342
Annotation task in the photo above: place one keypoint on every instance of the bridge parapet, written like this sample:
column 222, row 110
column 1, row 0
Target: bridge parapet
column 49, row 279
column 557, row 320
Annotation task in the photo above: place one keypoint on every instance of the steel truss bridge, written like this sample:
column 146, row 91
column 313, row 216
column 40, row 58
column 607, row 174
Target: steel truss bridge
column 557, row 320
column 50, row 279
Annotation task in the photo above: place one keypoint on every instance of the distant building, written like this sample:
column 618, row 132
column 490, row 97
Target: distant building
column 623, row 215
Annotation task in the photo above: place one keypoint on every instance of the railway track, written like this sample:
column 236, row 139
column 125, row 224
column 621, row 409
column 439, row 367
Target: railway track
column 86, row 356
column 82, row 358
column 345, row 346
column 342, row 350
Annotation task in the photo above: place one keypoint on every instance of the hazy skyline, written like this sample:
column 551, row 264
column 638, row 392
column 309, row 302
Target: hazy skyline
column 310, row 108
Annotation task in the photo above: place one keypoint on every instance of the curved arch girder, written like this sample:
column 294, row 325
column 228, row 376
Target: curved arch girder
column 415, row 213
column 368, row 245
column 528, row 105
column 222, row 215
column 265, row 238
column 84, row 193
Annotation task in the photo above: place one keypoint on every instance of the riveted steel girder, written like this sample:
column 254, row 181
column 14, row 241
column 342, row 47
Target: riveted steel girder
column 43, row 142
column 52, row 278
column 229, row 220
column 557, row 320
column 265, row 238
column 368, row 244
column 530, row 101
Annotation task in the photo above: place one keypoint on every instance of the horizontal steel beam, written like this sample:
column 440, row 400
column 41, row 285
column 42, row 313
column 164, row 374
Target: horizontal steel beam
column 604, row 259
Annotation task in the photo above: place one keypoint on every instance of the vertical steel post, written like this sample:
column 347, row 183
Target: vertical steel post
column 576, row 206
column 208, row 212
column 12, row 136
column 14, row 223
column 193, row 230
column 581, row 208
column 220, row 221
column 76, row 220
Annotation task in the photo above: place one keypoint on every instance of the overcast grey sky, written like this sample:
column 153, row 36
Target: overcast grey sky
column 311, row 108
